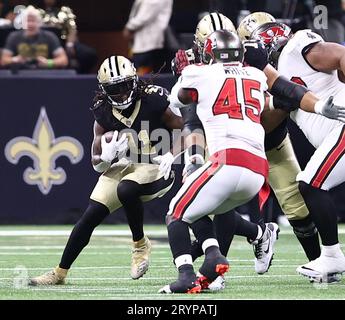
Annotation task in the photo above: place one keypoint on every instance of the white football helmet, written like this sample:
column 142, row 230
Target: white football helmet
column 208, row 24
column 251, row 22
column 118, row 80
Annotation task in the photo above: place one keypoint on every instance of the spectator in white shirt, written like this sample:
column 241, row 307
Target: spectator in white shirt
column 147, row 22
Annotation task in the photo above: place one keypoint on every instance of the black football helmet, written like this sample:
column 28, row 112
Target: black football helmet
column 223, row 46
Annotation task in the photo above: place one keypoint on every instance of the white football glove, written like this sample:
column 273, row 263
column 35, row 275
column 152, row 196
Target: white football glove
column 330, row 110
column 114, row 148
column 165, row 162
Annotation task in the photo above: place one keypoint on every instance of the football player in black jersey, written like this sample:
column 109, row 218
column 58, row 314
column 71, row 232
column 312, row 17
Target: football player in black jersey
column 131, row 111
column 277, row 143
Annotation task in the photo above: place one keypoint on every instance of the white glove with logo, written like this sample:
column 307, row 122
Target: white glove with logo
column 330, row 110
column 114, row 148
column 165, row 162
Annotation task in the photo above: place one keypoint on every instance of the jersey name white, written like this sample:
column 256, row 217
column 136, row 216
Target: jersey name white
column 295, row 67
column 230, row 101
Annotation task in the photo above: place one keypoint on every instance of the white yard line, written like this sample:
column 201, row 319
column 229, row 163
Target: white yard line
column 237, row 266
column 59, row 233
column 169, row 278
column 96, row 247
column 163, row 232
column 19, row 253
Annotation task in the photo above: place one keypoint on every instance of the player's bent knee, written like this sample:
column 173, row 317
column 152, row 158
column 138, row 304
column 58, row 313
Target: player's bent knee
column 127, row 190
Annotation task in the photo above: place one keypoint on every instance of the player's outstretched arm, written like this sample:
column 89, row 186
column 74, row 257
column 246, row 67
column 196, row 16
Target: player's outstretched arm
column 298, row 96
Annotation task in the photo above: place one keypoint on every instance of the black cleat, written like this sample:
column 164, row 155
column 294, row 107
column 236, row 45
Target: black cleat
column 211, row 269
column 186, row 283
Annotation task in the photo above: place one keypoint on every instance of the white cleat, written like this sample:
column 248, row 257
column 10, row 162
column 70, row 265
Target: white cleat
column 325, row 269
column 165, row 290
column 263, row 248
column 218, row 284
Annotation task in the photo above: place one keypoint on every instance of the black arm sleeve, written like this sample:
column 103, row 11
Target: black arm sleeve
column 284, row 104
column 192, row 124
column 190, row 119
column 287, row 94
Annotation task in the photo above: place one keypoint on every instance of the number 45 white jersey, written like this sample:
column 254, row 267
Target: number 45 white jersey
column 230, row 100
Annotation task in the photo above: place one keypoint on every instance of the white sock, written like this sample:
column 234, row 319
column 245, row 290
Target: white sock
column 211, row 242
column 184, row 259
column 332, row 250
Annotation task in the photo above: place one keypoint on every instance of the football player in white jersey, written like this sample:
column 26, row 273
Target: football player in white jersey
column 230, row 99
column 283, row 164
column 306, row 59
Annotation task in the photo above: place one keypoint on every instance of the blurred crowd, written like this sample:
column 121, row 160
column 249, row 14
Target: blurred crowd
column 45, row 37
column 153, row 30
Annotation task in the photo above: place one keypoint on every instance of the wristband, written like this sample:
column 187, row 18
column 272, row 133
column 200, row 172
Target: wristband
column 318, row 107
column 50, row 63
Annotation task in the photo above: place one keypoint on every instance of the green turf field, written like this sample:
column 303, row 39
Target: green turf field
column 102, row 270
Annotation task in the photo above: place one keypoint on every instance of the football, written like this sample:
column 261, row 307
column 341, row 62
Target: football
column 108, row 136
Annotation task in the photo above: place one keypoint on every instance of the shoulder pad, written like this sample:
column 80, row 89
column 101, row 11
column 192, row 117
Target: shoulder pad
column 192, row 69
column 303, row 39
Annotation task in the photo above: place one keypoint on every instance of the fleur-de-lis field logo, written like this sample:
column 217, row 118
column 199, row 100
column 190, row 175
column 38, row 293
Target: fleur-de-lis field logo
column 43, row 148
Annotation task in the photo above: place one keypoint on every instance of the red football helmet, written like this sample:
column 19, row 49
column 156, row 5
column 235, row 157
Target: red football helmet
column 271, row 32
column 275, row 36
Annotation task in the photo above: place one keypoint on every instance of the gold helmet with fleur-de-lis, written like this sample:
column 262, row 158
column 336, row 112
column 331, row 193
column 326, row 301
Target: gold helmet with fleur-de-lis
column 211, row 22
column 251, row 22
column 118, row 80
